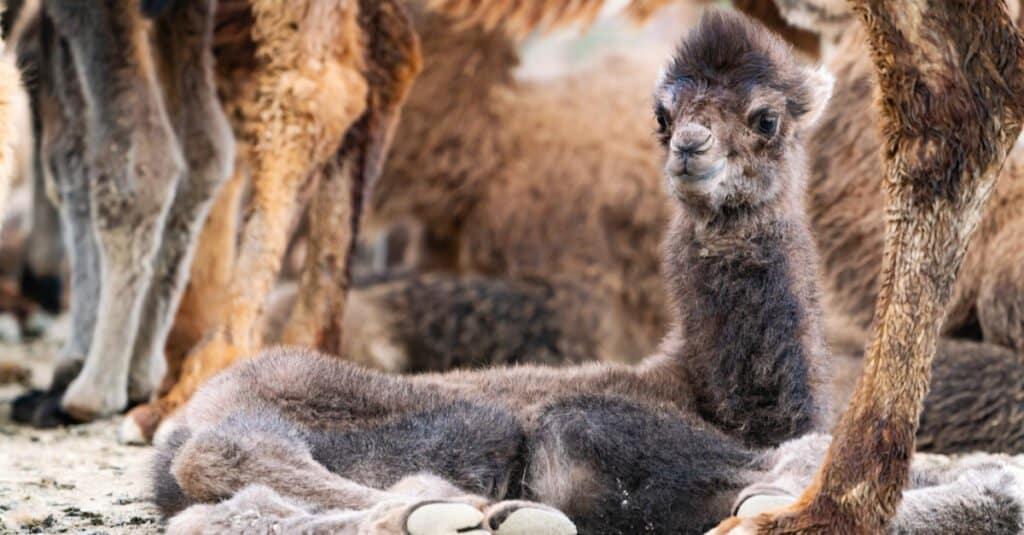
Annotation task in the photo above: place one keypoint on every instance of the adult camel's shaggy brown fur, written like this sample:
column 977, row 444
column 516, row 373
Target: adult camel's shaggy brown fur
column 315, row 89
column 950, row 77
column 526, row 180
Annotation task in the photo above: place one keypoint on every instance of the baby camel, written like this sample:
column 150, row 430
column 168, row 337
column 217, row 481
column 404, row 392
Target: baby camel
column 661, row 447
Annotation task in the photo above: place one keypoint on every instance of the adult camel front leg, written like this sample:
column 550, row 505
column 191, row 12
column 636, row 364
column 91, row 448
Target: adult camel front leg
column 393, row 61
column 950, row 75
column 310, row 90
column 134, row 164
column 184, row 37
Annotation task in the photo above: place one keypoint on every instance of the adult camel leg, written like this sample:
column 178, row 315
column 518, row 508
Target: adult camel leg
column 135, row 164
column 184, row 36
column 393, row 58
column 202, row 305
column 308, row 95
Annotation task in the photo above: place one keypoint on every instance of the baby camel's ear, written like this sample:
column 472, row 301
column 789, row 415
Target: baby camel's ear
column 819, row 84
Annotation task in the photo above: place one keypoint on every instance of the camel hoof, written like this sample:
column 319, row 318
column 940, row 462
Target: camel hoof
column 529, row 520
column 130, row 433
column 763, row 503
column 86, row 400
column 41, row 410
column 139, row 425
column 443, row 518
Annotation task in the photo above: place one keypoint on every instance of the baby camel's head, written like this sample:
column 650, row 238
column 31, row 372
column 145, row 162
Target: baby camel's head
column 731, row 108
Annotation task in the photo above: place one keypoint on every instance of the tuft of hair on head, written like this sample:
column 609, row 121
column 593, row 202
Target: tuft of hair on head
column 729, row 49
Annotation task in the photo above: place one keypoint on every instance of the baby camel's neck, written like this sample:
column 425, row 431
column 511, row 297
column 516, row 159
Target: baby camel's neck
column 749, row 343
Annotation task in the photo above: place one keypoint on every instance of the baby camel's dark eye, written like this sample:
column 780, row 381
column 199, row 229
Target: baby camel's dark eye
column 660, row 115
column 767, row 123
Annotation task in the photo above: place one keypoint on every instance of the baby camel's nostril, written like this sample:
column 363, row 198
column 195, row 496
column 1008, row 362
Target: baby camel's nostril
column 692, row 139
column 694, row 147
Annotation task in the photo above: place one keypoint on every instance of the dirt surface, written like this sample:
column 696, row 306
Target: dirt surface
column 68, row 480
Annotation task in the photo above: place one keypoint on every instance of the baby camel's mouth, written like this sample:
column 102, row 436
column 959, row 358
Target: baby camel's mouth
column 693, row 175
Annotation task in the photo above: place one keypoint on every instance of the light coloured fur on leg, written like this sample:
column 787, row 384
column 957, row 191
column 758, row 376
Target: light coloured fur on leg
column 421, row 504
column 259, row 509
column 135, row 165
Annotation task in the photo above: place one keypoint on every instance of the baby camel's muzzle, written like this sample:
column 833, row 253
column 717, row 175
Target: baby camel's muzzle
column 694, row 156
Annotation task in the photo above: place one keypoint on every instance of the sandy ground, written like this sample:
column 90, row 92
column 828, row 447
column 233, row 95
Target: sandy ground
column 71, row 480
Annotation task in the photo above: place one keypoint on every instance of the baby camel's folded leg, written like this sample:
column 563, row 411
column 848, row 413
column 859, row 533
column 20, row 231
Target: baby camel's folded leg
column 251, row 449
column 334, row 477
column 258, row 509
